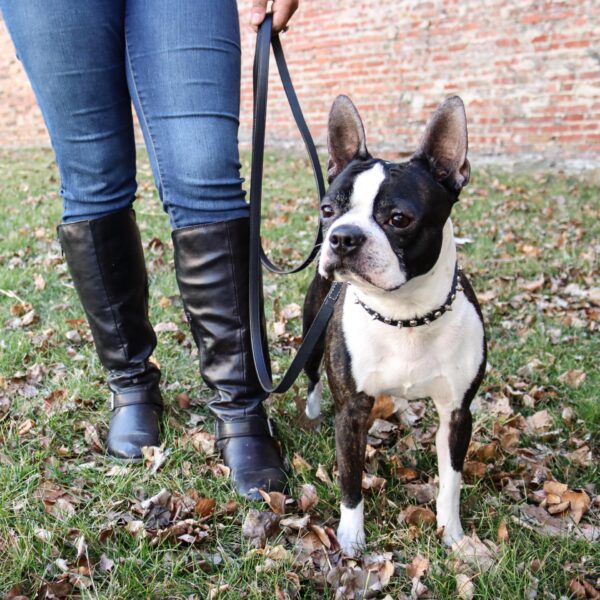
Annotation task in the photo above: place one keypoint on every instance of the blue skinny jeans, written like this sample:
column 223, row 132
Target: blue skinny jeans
column 178, row 61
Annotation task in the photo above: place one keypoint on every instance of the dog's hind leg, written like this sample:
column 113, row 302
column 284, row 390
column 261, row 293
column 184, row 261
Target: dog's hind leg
column 452, row 440
column 314, row 297
column 315, row 385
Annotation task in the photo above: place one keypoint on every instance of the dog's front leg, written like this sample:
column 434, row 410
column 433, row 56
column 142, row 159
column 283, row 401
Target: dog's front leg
column 452, row 441
column 352, row 414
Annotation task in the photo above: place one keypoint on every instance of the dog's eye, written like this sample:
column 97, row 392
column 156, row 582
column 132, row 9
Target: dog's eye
column 400, row 220
column 327, row 211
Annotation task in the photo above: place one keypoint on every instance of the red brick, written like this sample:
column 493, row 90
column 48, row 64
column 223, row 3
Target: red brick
column 523, row 68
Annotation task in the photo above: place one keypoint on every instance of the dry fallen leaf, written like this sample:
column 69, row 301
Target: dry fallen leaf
column 136, row 528
column 309, row 543
column 39, row 281
column 308, row 497
column 92, row 438
column 25, row 427
column 323, row 476
column 404, row 473
column 299, row 464
column 539, row 422
column 582, row 457
column 106, row 564
column 473, row 470
column 57, row 501
column 43, row 534
column 478, row 555
column 383, row 408
column 579, row 503
column 259, row 526
column 291, row 311
column 215, row 590
column 537, row 519
column 573, row 378
column 155, row 457
column 205, row 507
column 275, row 500
column 418, row 515
column 165, row 327
column 295, row 523
column 568, row 415
column 418, row 589
column 577, row 589
column 502, row 532
column 484, row 452
column 117, row 471
column 555, row 488
column 509, row 440
column 202, row 441
column 321, row 534
column 418, row 566
column 382, row 429
column 183, row 401
column 161, row 498
column 423, row 493
column 372, row 482
column 464, row 587
column 534, row 285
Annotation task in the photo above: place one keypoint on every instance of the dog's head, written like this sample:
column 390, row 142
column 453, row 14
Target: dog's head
column 383, row 222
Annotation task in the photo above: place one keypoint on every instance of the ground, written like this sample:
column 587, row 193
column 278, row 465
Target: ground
column 73, row 523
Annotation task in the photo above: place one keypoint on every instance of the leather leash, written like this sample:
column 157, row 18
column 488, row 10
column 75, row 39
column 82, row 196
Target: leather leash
column 265, row 38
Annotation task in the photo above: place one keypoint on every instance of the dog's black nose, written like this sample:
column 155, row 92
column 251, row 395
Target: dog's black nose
column 346, row 238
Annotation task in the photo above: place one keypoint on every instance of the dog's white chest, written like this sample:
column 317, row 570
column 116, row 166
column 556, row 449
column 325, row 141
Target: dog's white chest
column 438, row 360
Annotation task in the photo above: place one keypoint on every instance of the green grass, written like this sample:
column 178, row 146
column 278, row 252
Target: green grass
column 521, row 227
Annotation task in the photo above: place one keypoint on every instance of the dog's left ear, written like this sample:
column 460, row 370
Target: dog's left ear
column 444, row 145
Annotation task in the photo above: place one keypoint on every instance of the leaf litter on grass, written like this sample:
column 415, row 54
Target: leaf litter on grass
column 538, row 287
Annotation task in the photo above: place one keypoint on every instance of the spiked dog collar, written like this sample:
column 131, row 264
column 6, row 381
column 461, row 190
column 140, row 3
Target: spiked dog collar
column 425, row 319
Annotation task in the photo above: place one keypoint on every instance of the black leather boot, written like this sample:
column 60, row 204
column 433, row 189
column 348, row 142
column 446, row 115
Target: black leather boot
column 211, row 264
column 106, row 261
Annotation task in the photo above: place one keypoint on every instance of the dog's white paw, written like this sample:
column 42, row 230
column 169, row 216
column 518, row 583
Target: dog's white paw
column 352, row 545
column 453, row 533
column 351, row 530
column 313, row 402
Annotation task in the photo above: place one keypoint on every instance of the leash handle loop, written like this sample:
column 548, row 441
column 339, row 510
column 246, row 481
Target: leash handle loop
column 260, row 351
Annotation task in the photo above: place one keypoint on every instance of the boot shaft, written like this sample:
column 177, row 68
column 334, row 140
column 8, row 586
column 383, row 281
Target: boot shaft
column 106, row 261
column 211, row 264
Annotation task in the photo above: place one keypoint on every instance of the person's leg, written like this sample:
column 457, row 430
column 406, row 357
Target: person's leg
column 184, row 73
column 74, row 55
column 183, row 59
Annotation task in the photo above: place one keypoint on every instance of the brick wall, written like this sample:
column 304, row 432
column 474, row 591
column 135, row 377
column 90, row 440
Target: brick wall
column 529, row 73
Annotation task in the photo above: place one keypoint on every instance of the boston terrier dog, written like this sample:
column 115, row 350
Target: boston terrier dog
column 407, row 322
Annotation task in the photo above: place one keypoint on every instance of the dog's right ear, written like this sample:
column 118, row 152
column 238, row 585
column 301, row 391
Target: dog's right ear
column 345, row 136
